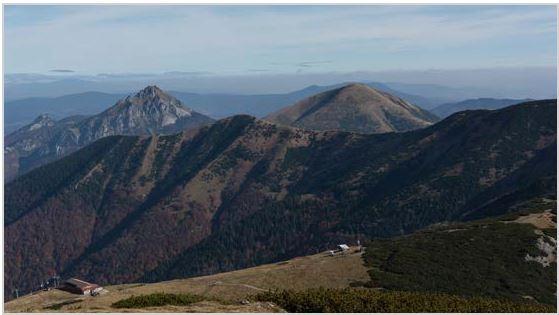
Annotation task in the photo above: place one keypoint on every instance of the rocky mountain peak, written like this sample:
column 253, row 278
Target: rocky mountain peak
column 150, row 91
column 152, row 95
column 152, row 101
column 149, row 111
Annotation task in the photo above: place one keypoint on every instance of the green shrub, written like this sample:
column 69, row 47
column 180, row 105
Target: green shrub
column 157, row 299
column 480, row 258
column 373, row 301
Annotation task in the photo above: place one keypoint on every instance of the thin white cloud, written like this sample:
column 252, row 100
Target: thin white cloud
column 168, row 38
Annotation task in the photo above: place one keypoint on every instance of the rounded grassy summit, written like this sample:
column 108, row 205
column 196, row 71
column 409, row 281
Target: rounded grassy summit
column 356, row 108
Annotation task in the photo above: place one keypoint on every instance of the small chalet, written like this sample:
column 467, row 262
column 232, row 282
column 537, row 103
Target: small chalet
column 343, row 247
column 78, row 286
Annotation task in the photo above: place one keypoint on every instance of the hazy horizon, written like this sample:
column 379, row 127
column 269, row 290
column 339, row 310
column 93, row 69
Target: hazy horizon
column 535, row 82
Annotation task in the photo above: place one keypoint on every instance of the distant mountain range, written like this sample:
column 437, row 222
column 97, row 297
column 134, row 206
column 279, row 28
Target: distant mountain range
column 445, row 85
column 448, row 109
column 355, row 108
column 243, row 192
column 21, row 112
column 44, row 140
column 440, row 92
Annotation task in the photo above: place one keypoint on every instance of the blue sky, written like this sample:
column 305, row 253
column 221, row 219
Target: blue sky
column 226, row 40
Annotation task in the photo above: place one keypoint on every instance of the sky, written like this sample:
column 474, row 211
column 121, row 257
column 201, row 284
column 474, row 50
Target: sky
column 253, row 40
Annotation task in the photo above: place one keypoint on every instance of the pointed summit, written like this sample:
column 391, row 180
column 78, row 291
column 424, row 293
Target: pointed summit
column 150, row 94
column 354, row 107
column 150, row 110
column 151, row 100
column 150, row 91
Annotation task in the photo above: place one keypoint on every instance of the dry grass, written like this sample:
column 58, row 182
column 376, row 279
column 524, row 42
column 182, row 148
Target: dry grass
column 543, row 220
column 231, row 288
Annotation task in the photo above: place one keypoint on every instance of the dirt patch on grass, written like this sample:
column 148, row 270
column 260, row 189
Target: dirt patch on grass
column 543, row 220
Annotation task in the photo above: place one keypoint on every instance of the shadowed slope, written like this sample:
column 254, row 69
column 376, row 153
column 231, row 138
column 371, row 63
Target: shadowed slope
column 244, row 192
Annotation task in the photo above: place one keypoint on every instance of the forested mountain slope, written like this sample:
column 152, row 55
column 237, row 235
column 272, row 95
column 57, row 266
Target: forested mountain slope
column 243, row 192
column 513, row 256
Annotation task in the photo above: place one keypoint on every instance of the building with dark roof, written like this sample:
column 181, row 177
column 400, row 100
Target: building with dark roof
column 78, row 286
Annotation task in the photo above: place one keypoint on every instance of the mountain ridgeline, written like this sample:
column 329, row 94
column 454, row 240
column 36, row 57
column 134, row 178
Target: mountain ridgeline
column 355, row 108
column 20, row 112
column 243, row 192
column 44, row 140
column 448, row 109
